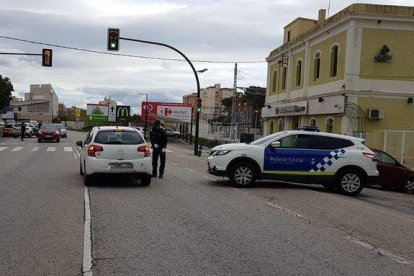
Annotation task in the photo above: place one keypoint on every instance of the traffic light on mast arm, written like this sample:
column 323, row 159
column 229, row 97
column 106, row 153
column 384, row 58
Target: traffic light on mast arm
column 113, row 39
column 47, row 57
column 199, row 105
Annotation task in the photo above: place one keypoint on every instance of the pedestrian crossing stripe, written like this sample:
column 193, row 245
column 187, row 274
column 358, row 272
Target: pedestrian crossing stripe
column 17, row 149
column 3, row 148
column 33, row 149
column 68, row 149
column 51, row 149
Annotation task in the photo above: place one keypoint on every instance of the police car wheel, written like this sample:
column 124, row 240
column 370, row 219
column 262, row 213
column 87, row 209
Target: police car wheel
column 242, row 174
column 350, row 182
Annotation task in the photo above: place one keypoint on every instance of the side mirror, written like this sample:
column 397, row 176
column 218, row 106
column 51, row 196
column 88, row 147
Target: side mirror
column 275, row 144
column 79, row 143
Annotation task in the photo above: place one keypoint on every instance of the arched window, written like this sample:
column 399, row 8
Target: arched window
column 284, row 75
column 274, row 83
column 312, row 122
column 334, row 61
column 317, row 66
column 329, row 125
column 298, row 72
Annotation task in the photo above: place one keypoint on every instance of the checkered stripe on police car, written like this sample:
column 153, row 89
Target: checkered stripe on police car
column 327, row 161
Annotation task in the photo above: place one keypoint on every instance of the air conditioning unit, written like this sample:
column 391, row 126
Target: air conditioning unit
column 374, row 113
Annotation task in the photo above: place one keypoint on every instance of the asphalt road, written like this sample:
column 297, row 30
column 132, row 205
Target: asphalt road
column 190, row 223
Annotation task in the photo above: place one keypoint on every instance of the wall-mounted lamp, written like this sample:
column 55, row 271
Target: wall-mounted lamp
column 343, row 86
column 268, row 106
column 410, row 100
column 320, row 99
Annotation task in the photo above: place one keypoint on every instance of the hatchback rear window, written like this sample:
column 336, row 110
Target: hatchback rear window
column 118, row 137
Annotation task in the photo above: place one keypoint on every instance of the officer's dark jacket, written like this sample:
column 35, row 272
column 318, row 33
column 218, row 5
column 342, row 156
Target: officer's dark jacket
column 158, row 136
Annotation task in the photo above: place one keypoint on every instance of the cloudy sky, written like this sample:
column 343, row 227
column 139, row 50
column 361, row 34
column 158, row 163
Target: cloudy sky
column 213, row 34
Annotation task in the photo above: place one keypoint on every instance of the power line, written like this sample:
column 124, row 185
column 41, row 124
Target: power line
column 123, row 55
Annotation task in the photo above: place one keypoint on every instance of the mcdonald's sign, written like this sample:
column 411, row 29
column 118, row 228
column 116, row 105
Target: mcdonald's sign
column 123, row 112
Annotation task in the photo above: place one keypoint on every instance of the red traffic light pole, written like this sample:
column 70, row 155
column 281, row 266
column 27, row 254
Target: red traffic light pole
column 195, row 74
column 46, row 56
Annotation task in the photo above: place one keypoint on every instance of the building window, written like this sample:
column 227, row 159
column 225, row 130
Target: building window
column 288, row 36
column 317, row 66
column 281, row 124
column 312, row 122
column 19, row 109
column 334, row 61
column 284, row 75
column 271, row 127
column 298, row 72
column 274, row 81
column 329, row 125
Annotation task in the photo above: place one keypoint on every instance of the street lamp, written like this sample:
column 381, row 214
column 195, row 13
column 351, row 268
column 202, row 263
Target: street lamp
column 146, row 113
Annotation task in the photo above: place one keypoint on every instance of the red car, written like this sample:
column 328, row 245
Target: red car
column 48, row 132
column 9, row 130
column 393, row 174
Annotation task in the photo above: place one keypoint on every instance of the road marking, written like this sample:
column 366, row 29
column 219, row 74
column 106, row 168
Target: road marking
column 379, row 251
column 3, row 148
column 290, row 212
column 35, row 149
column 87, row 241
column 51, row 149
column 169, row 150
column 17, row 149
column 68, row 149
column 208, row 177
column 188, row 170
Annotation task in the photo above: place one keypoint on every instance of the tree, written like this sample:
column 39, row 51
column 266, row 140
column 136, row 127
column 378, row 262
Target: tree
column 6, row 87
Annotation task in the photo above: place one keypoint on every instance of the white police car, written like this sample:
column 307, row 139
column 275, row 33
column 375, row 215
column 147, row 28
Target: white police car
column 335, row 161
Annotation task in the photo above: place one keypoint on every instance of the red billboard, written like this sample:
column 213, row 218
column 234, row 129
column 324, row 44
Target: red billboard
column 167, row 112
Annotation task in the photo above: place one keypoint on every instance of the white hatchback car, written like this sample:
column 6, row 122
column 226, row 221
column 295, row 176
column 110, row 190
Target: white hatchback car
column 335, row 161
column 115, row 150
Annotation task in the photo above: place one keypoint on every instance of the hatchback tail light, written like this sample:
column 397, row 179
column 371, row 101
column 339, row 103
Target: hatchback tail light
column 145, row 149
column 373, row 156
column 92, row 149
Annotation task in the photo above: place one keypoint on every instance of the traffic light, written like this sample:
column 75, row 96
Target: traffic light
column 47, row 57
column 113, row 39
column 199, row 105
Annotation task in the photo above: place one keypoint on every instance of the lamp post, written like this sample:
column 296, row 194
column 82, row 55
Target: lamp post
column 255, row 122
column 195, row 75
column 146, row 113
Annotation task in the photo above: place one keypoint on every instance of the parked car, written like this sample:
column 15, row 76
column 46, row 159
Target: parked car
column 48, row 132
column 335, row 161
column 393, row 174
column 9, row 130
column 30, row 129
column 141, row 130
column 115, row 150
column 172, row 132
column 62, row 130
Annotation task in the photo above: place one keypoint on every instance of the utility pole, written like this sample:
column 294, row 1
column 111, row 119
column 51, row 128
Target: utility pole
column 233, row 105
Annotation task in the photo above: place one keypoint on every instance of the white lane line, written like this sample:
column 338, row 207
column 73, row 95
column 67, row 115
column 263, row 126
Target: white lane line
column 68, row 149
column 188, row 170
column 17, row 149
column 35, row 149
column 87, row 241
column 208, row 177
column 290, row 212
column 169, row 150
column 379, row 251
column 3, row 148
column 51, row 149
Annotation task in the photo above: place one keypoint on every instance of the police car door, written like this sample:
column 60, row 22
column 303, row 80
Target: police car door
column 288, row 160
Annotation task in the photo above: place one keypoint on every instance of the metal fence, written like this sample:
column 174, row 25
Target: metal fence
column 400, row 144
column 228, row 133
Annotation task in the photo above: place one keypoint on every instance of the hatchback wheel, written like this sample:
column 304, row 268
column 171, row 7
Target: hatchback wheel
column 242, row 174
column 409, row 186
column 145, row 179
column 350, row 182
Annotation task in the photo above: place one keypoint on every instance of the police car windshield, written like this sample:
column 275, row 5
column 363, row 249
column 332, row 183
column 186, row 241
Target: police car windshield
column 266, row 139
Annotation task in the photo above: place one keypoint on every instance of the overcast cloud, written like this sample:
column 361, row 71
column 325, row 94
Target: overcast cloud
column 211, row 30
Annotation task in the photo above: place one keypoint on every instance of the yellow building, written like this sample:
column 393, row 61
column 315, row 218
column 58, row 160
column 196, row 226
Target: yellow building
column 352, row 73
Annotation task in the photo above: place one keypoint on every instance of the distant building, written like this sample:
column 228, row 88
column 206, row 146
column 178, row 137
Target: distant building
column 40, row 104
column 351, row 73
column 191, row 99
column 212, row 97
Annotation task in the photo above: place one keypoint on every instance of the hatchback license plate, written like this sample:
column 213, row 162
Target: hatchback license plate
column 121, row 165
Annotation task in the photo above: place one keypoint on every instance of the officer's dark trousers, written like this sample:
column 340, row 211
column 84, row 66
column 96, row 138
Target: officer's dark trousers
column 155, row 153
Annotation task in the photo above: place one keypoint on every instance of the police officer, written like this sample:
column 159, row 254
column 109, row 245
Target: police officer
column 159, row 141
column 23, row 130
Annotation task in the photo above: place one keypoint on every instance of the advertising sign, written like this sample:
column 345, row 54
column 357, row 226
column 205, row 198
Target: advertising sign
column 123, row 112
column 97, row 112
column 112, row 113
column 168, row 112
